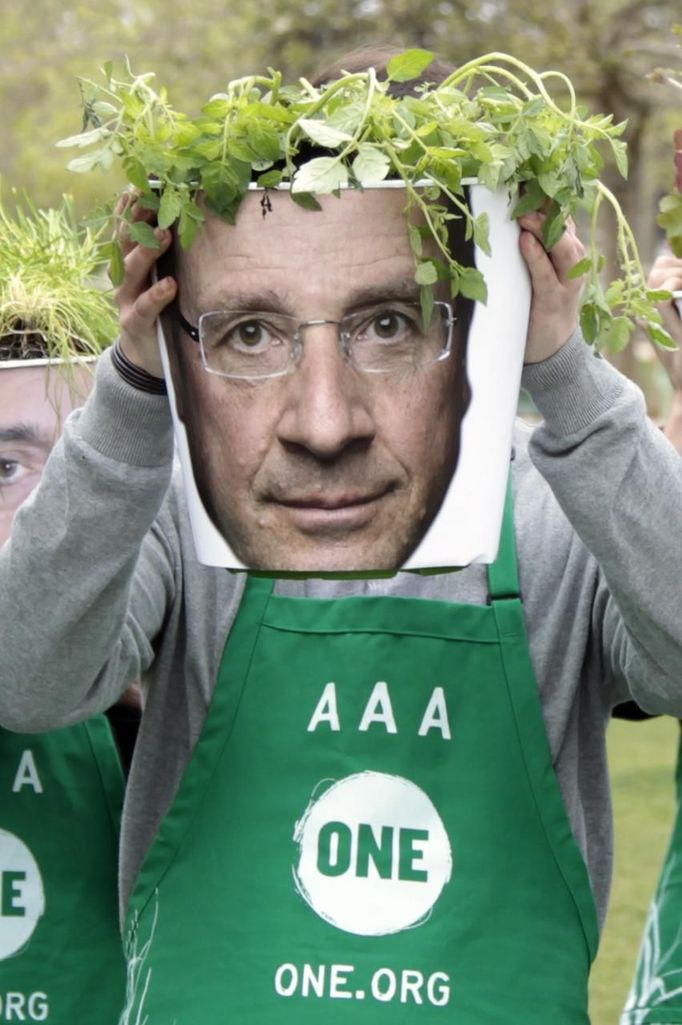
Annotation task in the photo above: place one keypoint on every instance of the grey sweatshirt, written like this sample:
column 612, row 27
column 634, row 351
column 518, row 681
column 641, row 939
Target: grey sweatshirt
column 99, row 585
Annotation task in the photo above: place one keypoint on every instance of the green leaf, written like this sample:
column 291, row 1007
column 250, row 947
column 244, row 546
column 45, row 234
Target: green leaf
column 323, row 134
column 81, row 165
column 580, row 268
column 209, row 149
column 104, row 109
column 616, row 334
column 472, row 285
column 489, row 175
column 136, row 173
column 660, row 336
column 426, row 273
column 306, row 200
column 169, row 208
column 615, row 293
column 589, row 322
column 532, row 199
column 482, row 233
column 347, row 118
column 143, row 234
column 190, row 220
column 554, row 225
column 416, row 244
column 264, row 140
column 620, row 155
column 658, row 295
column 217, row 107
column 149, row 201
column 116, row 265
column 84, row 138
column 221, row 189
column 550, row 182
column 186, row 135
column 270, row 180
column 371, row 165
column 321, row 175
column 409, row 65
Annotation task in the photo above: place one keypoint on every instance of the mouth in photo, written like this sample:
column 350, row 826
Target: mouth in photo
column 332, row 514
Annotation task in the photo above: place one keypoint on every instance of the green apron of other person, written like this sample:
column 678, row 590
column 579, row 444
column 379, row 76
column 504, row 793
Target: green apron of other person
column 656, row 994
column 61, row 958
column 370, row 829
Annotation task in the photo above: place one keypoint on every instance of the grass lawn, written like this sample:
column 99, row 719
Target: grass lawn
column 642, row 759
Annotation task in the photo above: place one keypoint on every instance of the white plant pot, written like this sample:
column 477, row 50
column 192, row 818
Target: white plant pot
column 467, row 527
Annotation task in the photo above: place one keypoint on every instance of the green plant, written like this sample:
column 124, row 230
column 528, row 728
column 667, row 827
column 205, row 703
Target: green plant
column 50, row 305
column 493, row 120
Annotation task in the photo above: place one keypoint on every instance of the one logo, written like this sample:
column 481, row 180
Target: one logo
column 22, row 897
column 374, row 855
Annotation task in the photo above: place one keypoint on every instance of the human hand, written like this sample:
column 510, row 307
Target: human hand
column 556, row 297
column 139, row 302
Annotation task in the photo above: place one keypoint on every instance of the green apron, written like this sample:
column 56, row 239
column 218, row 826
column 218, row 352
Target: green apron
column 61, row 957
column 369, row 830
column 656, row 994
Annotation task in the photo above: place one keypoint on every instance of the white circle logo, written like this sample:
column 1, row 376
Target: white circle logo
column 374, row 855
column 22, row 898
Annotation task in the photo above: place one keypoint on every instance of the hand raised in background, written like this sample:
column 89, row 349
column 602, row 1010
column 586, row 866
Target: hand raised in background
column 139, row 301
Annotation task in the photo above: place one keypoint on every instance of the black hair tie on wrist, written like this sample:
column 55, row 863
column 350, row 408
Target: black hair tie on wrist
column 136, row 377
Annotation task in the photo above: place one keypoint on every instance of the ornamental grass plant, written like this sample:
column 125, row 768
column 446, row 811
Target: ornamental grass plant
column 52, row 305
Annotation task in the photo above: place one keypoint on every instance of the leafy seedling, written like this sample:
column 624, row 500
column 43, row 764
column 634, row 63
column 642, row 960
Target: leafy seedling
column 494, row 120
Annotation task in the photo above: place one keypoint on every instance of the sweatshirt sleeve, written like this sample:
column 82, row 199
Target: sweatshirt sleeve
column 619, row 483
column 87, row 574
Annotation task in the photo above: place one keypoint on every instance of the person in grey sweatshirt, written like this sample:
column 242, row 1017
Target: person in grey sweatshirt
column 383, row 790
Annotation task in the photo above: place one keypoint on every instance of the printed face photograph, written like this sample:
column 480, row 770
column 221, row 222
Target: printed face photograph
column 33, row 406
column 322, row 417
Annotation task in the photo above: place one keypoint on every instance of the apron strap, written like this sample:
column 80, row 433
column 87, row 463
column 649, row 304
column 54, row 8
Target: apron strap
column 503, row 574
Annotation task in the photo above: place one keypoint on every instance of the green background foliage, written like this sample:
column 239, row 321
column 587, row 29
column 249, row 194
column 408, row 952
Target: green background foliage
column 607, row 47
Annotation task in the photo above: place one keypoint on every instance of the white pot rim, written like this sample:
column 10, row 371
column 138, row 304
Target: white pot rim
column 44, row 361
column 389, row 183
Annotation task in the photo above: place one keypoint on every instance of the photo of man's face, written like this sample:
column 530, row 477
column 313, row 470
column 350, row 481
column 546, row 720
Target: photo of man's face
column 340, row 460
column 34, row 403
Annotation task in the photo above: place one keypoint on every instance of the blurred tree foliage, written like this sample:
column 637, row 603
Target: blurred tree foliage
column 606, row 46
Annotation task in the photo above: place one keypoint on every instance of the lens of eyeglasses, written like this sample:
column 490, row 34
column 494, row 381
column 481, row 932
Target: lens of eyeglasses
column 385, row 339
column 246, row 345
column 395, row 338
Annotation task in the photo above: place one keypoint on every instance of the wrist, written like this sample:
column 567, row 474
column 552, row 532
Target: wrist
column 572, row 388
column 134, row 375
